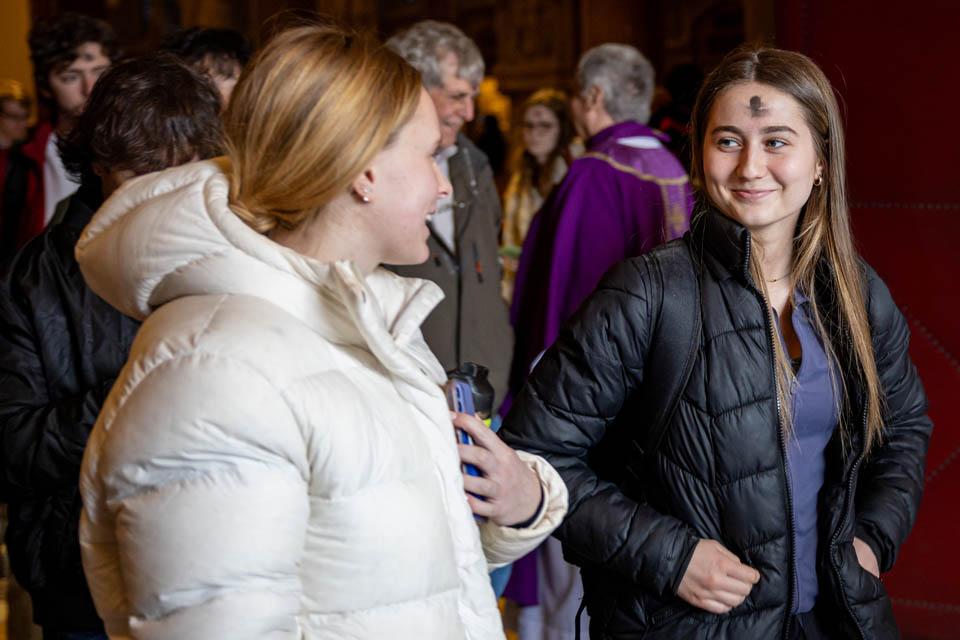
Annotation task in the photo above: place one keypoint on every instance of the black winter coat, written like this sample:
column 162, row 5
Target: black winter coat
column 719, row 472
column 61, row 347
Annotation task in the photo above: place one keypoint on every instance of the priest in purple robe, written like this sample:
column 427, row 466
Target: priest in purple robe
column 625, row 195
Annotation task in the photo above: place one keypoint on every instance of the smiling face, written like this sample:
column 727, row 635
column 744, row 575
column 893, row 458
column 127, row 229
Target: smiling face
column 759, row 158
column 71, row 85
column 453, row 100
column 406, row 186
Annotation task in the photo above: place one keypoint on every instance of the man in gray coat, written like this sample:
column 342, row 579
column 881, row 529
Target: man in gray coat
column 472, row 323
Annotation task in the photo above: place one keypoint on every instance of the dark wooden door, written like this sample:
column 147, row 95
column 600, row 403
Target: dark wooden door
column 896, row 69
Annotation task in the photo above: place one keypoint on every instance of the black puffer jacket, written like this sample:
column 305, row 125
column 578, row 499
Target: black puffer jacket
column 719, row 472
column 61, row 347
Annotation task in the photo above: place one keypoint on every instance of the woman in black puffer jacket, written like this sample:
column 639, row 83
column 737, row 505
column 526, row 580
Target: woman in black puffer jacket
column 790, row 458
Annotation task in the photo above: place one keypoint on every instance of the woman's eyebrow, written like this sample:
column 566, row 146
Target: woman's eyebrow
column 728, row 128
column 780, row 128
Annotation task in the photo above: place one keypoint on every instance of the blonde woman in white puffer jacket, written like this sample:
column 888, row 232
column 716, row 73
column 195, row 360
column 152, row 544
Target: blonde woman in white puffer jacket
column 277, row 459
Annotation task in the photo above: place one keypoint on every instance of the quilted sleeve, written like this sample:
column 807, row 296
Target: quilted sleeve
column 891, row 482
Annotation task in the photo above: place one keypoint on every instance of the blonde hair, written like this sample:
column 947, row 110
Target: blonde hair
column 308, row 115
column 824, row 252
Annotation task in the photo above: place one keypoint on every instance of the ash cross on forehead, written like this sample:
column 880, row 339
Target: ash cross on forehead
column 757, row 107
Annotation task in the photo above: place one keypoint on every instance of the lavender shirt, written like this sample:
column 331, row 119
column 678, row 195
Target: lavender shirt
column 814, row 419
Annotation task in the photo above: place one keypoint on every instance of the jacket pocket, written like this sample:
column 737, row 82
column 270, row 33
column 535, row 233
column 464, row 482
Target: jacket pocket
column 661, row 613
column 860, row 585
column 666, row 615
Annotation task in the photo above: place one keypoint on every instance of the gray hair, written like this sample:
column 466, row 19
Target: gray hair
column 428, row 42
column 624, row 75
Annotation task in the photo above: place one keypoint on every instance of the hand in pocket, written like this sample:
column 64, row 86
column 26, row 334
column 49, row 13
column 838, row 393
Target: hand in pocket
column 866, row 557
column 716, row 580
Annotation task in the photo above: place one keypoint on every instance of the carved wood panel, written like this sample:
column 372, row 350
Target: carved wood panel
column 537, row 43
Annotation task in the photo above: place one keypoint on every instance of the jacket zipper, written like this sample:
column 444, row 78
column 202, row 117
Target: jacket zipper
column 783, row 467
column 793, row 525
column 836, row 534
column 783, row 456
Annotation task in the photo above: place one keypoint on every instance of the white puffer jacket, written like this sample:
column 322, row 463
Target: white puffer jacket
column 276, row 459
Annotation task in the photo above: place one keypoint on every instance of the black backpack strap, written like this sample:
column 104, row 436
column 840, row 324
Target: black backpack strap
column 674, row 344
column 624, row 453
column 667, row 368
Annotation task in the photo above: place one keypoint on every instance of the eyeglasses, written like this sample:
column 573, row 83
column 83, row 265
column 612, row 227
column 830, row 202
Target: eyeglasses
column 539, row 126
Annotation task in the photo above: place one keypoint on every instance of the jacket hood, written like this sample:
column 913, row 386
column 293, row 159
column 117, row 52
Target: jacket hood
column 168, row 235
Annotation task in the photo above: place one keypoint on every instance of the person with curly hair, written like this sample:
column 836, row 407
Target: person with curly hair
column 221, row 54
column 68, row 54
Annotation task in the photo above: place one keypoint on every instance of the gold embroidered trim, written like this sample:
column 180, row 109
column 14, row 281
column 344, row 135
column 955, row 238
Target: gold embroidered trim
column 628, row 169
column 675, row 220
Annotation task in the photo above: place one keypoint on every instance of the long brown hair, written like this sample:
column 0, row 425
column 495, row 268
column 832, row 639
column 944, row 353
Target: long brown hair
column 308, row 115
column 823, row 232
column 532, row 174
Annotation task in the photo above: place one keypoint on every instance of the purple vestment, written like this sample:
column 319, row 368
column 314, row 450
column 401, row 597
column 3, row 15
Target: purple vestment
column 624, row 196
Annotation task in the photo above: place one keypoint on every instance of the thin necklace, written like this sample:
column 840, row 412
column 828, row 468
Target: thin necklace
column 780, row 278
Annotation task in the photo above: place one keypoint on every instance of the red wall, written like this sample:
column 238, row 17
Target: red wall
column 898, row 74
